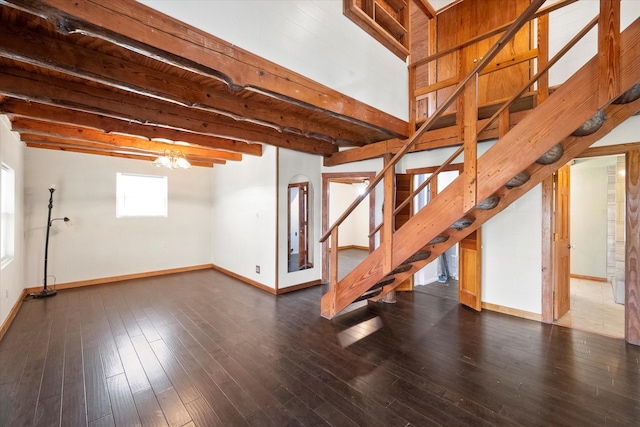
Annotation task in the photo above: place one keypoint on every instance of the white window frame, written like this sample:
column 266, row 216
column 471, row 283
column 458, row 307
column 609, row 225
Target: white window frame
column 141, row 196
column 7, row 211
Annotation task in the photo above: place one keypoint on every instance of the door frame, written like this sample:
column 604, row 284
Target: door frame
column 345, row 177
column 303, row 226
column 632, row 195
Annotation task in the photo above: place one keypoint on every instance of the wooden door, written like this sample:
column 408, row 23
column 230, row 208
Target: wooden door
column 403, row 190
column 469, row 263
column 562, row 244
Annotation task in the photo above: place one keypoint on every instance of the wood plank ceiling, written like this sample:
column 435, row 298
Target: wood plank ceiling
column 117, row 78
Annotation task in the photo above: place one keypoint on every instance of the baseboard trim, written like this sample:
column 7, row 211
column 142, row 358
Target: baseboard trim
column 113, row 279
column 245, row 279
column 512, row 311
column 591, row 278
column 12, row 314
column 342, row 248
column 298, row 287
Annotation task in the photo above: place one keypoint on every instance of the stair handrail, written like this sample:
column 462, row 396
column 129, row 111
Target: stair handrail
column 495, row 115
column 493, row 51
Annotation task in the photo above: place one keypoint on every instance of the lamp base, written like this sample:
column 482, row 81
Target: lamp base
column 44, row 293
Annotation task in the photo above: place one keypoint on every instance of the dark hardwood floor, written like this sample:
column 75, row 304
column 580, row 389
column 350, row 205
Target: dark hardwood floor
column 202, row 349
column 446, row 290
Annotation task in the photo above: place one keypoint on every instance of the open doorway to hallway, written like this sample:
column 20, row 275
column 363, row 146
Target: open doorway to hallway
column 597, row 224
column 339, row 190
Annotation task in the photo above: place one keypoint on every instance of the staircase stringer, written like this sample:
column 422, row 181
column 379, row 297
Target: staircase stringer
column 564, row 111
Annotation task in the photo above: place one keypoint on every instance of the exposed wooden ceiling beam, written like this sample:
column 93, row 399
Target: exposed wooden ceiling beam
column 27, row 84
column 22, row 108
column 38, row 127
column 161, row 37
column 430, row 140
column 121, row 154
column 101, row 147
column 24, row 44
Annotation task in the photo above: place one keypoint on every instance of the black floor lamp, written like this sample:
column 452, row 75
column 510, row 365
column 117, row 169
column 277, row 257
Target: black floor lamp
column 46, row 292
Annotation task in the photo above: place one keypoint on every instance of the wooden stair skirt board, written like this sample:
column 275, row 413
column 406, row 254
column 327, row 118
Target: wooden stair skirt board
column 565, row 111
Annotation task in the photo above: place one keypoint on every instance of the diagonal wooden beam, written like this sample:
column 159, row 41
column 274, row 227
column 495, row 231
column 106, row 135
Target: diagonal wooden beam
column 74, row 133
column 26, row 83
column 136, row 27
column 23, row 44
column 21, row 108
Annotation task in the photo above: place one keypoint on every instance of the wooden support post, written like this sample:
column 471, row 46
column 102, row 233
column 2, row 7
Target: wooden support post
column 547, row 250
column 470, row 126
column 386, row 240
column 504, row 123
column 432, row 99
column 543, row 57
column 412, row 100
column 632, row 265
column 608, row 51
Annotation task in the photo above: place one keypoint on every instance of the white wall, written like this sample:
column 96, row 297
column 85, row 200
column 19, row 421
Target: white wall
column 372, row 165
column 292, row 167
column 98, row 244
column 569, row 20
column 310, row 37
column 12, row 275
column 354, row 231
column 512, row 255
column 588, row 218
column 244, row 217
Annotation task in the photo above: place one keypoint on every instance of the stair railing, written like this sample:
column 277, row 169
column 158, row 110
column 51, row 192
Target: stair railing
column 502, row 108
column 387, row 171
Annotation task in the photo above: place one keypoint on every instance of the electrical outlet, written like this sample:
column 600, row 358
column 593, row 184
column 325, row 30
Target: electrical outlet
column 6, row 293
column 258, row 269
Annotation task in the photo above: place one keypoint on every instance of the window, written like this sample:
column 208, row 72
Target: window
column 7, row 208
column 141, row 195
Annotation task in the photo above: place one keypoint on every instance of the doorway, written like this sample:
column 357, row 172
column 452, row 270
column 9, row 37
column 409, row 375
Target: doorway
column 339, row 190
column 298, row 226
column 595, row 273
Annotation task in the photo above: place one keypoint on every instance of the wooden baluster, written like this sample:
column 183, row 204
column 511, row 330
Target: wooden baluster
column 386, row 237
column 433, row 71
column 543, row 57
column 328, row 302
column 333, row 278
column 608, row 51
column 470, row 129
column 413, row 103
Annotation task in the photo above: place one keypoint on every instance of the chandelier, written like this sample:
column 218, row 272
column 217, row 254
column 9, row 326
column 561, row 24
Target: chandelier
column 172, row 160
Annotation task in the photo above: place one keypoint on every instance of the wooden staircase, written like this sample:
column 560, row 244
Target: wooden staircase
column 444, row 221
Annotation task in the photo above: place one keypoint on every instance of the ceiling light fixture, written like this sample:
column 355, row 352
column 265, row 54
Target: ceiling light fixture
column 172, row 160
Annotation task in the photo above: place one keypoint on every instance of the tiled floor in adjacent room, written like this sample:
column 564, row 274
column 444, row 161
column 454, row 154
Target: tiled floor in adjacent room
column 593, row 309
